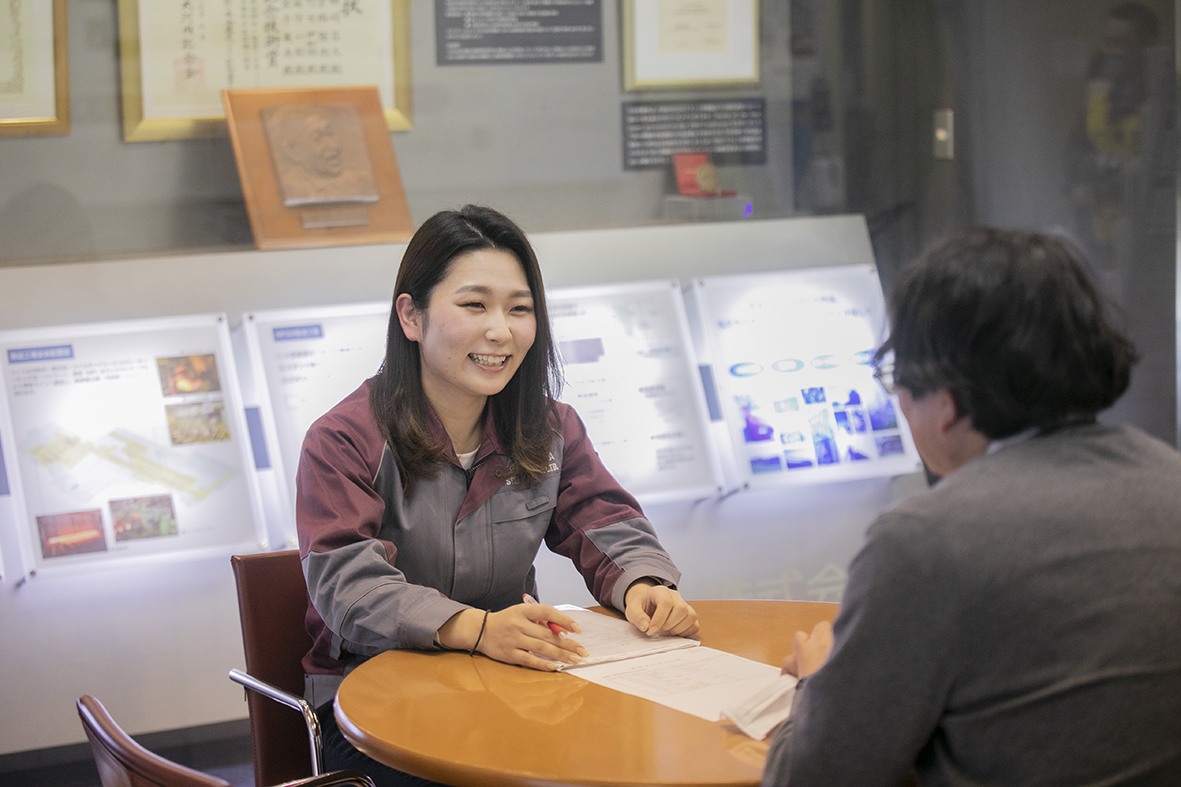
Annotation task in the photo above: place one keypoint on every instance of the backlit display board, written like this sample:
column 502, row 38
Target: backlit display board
column 791, row 356
column 627, row 362
column 126, row 439
column 631, row 374
column 304, row 362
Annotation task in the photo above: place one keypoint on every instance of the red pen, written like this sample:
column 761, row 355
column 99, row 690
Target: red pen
column 554, row 627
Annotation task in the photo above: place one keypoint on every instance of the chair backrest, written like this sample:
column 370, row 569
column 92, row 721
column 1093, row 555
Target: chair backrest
column 124, row 763
column 272, row 602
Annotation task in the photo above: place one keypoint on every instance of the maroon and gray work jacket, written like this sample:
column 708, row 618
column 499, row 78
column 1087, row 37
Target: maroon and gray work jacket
column 385, row 571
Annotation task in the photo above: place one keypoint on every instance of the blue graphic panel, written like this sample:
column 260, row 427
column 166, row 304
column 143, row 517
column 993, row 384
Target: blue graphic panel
column 262, row 459
column 4, row 490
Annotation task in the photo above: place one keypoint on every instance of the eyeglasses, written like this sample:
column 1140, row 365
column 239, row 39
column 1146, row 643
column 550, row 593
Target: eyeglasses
column 884, row 374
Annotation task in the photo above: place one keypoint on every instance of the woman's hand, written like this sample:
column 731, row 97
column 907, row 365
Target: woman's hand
column 519, row 635
column 656, row 609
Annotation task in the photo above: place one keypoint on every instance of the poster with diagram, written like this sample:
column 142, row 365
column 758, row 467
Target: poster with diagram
column 126, row 439
column 791, row 354
column 630, row 372
column 304, row 361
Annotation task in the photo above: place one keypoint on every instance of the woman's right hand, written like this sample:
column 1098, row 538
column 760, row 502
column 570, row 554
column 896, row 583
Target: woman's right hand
column 516, row 635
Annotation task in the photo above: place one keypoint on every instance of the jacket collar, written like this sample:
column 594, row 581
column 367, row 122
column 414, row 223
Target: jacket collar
column 489, row 441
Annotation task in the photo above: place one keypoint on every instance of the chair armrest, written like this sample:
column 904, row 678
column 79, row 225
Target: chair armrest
column 291, row 701
column 334, row 779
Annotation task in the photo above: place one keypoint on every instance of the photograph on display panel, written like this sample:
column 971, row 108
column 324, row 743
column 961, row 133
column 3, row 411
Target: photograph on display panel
column 178, row 55
column 791, row 353
column 129, row 440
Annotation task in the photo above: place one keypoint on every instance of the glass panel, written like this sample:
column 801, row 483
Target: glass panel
column 1062, row 117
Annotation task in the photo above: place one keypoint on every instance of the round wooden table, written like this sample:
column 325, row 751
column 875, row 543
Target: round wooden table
column 465, row 720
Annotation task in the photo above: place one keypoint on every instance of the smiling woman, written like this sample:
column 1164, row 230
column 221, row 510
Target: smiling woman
column 424, row 496
column 472, row 337
column 452, row 247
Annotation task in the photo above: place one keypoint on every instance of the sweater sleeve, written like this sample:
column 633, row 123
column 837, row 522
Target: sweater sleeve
column 863, row 718
column 599, row 526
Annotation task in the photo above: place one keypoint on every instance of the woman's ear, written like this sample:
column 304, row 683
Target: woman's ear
column 409, row 317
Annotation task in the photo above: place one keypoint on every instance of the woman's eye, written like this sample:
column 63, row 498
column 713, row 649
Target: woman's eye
column 473, row 305
column 523, row 309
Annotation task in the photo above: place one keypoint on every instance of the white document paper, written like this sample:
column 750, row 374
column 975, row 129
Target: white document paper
column 761, row 712
column 701, row 681
column 680, row 674
column 609, row 639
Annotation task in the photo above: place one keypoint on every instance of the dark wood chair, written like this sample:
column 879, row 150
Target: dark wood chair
column 124, row 763
column 272, row 602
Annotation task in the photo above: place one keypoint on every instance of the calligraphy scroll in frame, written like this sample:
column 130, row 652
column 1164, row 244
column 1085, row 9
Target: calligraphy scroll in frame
column 35, row 69
column 178, row 55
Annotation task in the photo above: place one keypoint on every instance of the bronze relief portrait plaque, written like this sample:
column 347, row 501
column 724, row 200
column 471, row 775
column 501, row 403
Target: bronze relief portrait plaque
column 318, row 151
column 317, row 166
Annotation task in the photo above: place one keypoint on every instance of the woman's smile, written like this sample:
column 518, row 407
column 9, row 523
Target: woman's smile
column 496, row 361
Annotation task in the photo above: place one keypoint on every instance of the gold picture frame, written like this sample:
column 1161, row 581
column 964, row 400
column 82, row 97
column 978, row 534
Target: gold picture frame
column 146, row 61
column 690, row 44
column 54, row 31
column 317, row 167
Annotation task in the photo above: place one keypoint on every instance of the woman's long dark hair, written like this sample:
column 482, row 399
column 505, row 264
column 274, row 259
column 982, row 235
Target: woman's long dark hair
column 523, row 410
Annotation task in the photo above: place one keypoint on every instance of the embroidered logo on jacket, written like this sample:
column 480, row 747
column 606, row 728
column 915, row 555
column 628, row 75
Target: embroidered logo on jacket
column 553, row 468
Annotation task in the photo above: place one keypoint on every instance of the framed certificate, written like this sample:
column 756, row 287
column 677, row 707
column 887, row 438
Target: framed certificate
column 690, row 43
column 317, row 167
column 34, row 69
column 178, row 55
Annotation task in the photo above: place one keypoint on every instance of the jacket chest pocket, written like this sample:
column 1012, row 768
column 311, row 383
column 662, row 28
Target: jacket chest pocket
column 517, row 526
column 508, row 506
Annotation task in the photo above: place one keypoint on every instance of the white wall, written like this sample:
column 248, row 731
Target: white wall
column 154, row 640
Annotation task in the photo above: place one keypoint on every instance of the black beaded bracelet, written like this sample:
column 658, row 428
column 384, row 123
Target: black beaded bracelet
column 480, row 636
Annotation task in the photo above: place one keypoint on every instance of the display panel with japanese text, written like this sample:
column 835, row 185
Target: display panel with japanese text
column 304, row 362
column 129, row 440
column 630, row 372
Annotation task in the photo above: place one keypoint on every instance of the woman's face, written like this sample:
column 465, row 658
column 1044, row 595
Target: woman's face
column 476, row 329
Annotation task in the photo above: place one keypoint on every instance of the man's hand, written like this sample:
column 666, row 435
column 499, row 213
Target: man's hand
column 809, row 652
column 656, row 609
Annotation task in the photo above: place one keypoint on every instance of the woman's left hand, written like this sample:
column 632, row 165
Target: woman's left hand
column 656, row 609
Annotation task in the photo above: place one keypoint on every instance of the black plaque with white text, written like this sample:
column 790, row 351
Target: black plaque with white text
column 732, row 131
column 518, row 31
